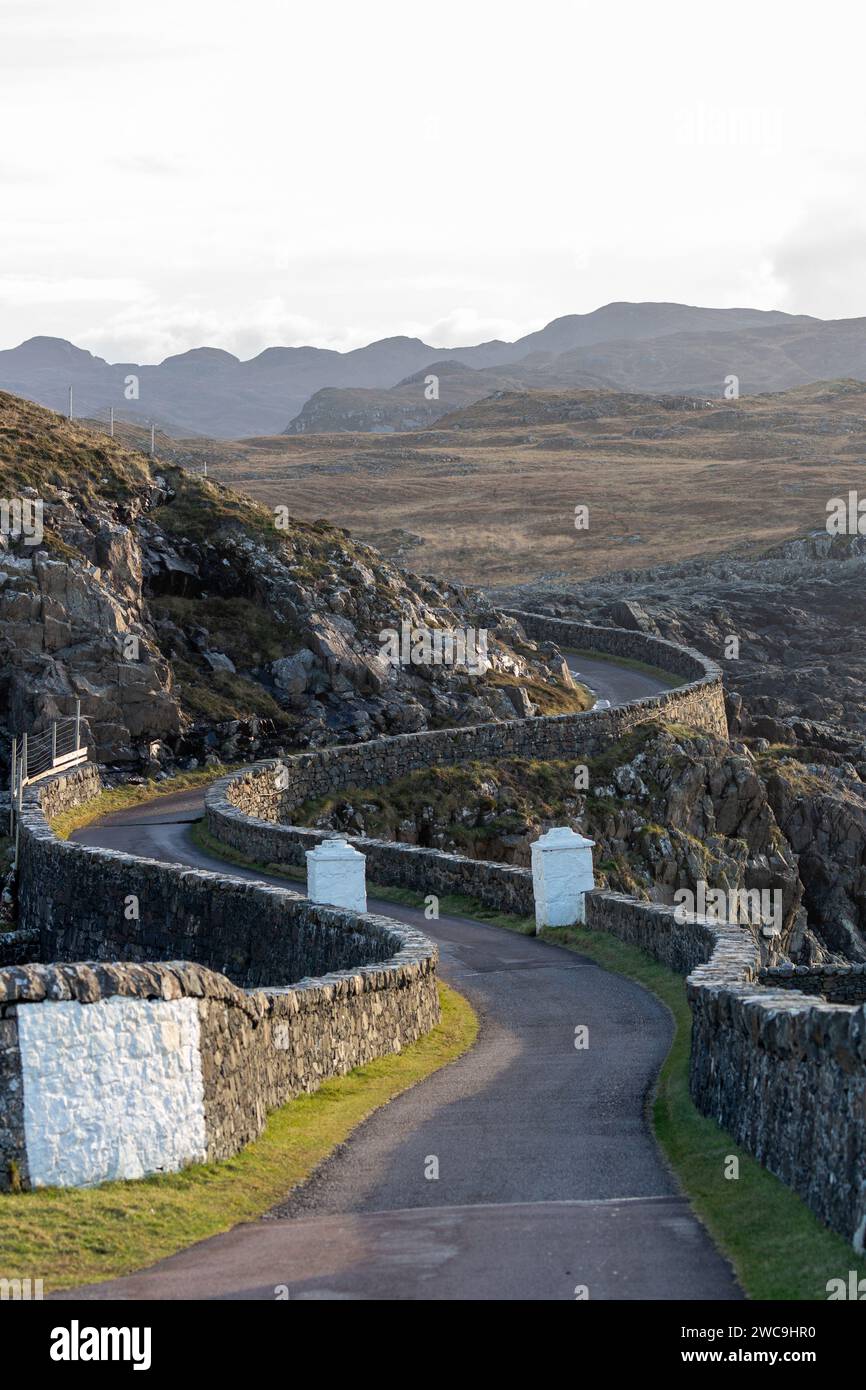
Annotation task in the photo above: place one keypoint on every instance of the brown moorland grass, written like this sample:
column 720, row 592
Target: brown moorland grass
column 492, row 502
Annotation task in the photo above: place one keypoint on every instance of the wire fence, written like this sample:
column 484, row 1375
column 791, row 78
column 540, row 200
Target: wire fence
column 35, row 756
column 137, row 431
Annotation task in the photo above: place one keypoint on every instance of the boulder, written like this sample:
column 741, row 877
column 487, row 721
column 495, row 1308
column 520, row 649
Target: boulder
column 329, row 638
column 292, row 673
column 626, row 613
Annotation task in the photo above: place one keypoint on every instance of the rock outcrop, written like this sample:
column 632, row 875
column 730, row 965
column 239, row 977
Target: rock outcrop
column 193, row 624
column 796, row 681
column 667, row 808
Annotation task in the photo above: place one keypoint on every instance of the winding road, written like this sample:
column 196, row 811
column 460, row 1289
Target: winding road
column 550, row 1184
column 608, row 680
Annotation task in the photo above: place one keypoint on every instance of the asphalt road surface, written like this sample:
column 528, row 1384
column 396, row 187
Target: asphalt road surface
column 608, row 681
column 549, row 1180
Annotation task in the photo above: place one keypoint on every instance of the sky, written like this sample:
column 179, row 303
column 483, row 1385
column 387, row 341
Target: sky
column 196, row 172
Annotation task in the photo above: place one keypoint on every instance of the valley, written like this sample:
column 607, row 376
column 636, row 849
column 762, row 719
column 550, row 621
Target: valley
column 488, row 496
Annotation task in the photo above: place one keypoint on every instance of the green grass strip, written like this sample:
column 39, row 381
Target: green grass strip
column 457, row 904
column 70, row 1236
column 778, row 1247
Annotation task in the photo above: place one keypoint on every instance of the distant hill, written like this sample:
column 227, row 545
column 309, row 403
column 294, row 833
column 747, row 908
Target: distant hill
column 488, row 494
column 408, row 405
column 212, row 392
column 770, row 355
column 639, row 322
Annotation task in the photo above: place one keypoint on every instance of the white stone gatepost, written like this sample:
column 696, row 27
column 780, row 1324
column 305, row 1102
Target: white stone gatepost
column 561, row 876
column 336, row 875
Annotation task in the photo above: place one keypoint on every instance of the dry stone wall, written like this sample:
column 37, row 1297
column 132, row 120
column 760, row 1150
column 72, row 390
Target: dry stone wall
column 501, row 886
column 838, row 984
column 784, row 1073
column 252, row 811
column 314, row 992
column 89, row 903
column 624, row 644
column 115, row 1071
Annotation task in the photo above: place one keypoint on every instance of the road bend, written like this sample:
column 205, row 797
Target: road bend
column 526, row 1169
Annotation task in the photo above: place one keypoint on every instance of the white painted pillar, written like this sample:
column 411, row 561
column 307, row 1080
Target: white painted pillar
column 336, row 875
column 561, row 876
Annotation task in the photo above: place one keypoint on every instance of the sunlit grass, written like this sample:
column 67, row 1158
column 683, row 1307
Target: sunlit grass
column 70, row 1236
column 778, row 1247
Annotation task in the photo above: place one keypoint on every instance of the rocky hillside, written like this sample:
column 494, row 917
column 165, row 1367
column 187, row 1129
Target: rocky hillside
column 796, row 612
column 406, row 406
column 667, row 807
column 192, row 625
column 796, row 690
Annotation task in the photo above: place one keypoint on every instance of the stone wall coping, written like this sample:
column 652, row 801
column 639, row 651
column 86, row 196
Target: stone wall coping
column 410, row 952
column 90, row 982
column 783, row 1021
column 787, row 970
column 709, row 669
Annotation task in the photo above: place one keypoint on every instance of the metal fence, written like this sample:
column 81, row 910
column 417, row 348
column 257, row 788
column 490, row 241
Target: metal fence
column 35, row 756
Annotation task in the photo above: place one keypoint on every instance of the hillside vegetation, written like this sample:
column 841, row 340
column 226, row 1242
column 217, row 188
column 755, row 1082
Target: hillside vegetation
column 488, row 494
column 196, row 624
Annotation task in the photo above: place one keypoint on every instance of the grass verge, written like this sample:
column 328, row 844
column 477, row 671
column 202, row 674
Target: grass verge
column 664, row 678
column 119, row 798
column 70, row 1236
column 456, row 903
column 778, row 1247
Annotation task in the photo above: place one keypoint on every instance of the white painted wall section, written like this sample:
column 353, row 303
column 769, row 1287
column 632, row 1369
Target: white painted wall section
column 111, row 1090
column 336, row 874
column 561, row 877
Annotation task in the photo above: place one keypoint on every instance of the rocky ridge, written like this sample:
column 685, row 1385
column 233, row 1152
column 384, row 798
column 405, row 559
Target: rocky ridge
column 796, row 683
column 192, row 624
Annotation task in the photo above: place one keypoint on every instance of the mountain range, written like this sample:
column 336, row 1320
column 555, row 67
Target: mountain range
column 384, row 386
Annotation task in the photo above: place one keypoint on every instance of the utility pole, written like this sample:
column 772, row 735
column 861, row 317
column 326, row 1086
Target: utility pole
column 205, row 467
column 112, row 422
column 70, row 403
column 152, row 440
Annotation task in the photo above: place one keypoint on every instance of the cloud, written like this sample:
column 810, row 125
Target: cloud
column 821, row 264
column 148, row 164
column 19, row 173
column 149, row 331
column 16, row 290
column 463, row 327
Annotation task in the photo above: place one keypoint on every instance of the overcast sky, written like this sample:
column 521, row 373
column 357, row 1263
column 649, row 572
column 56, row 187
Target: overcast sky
column 188, row 172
